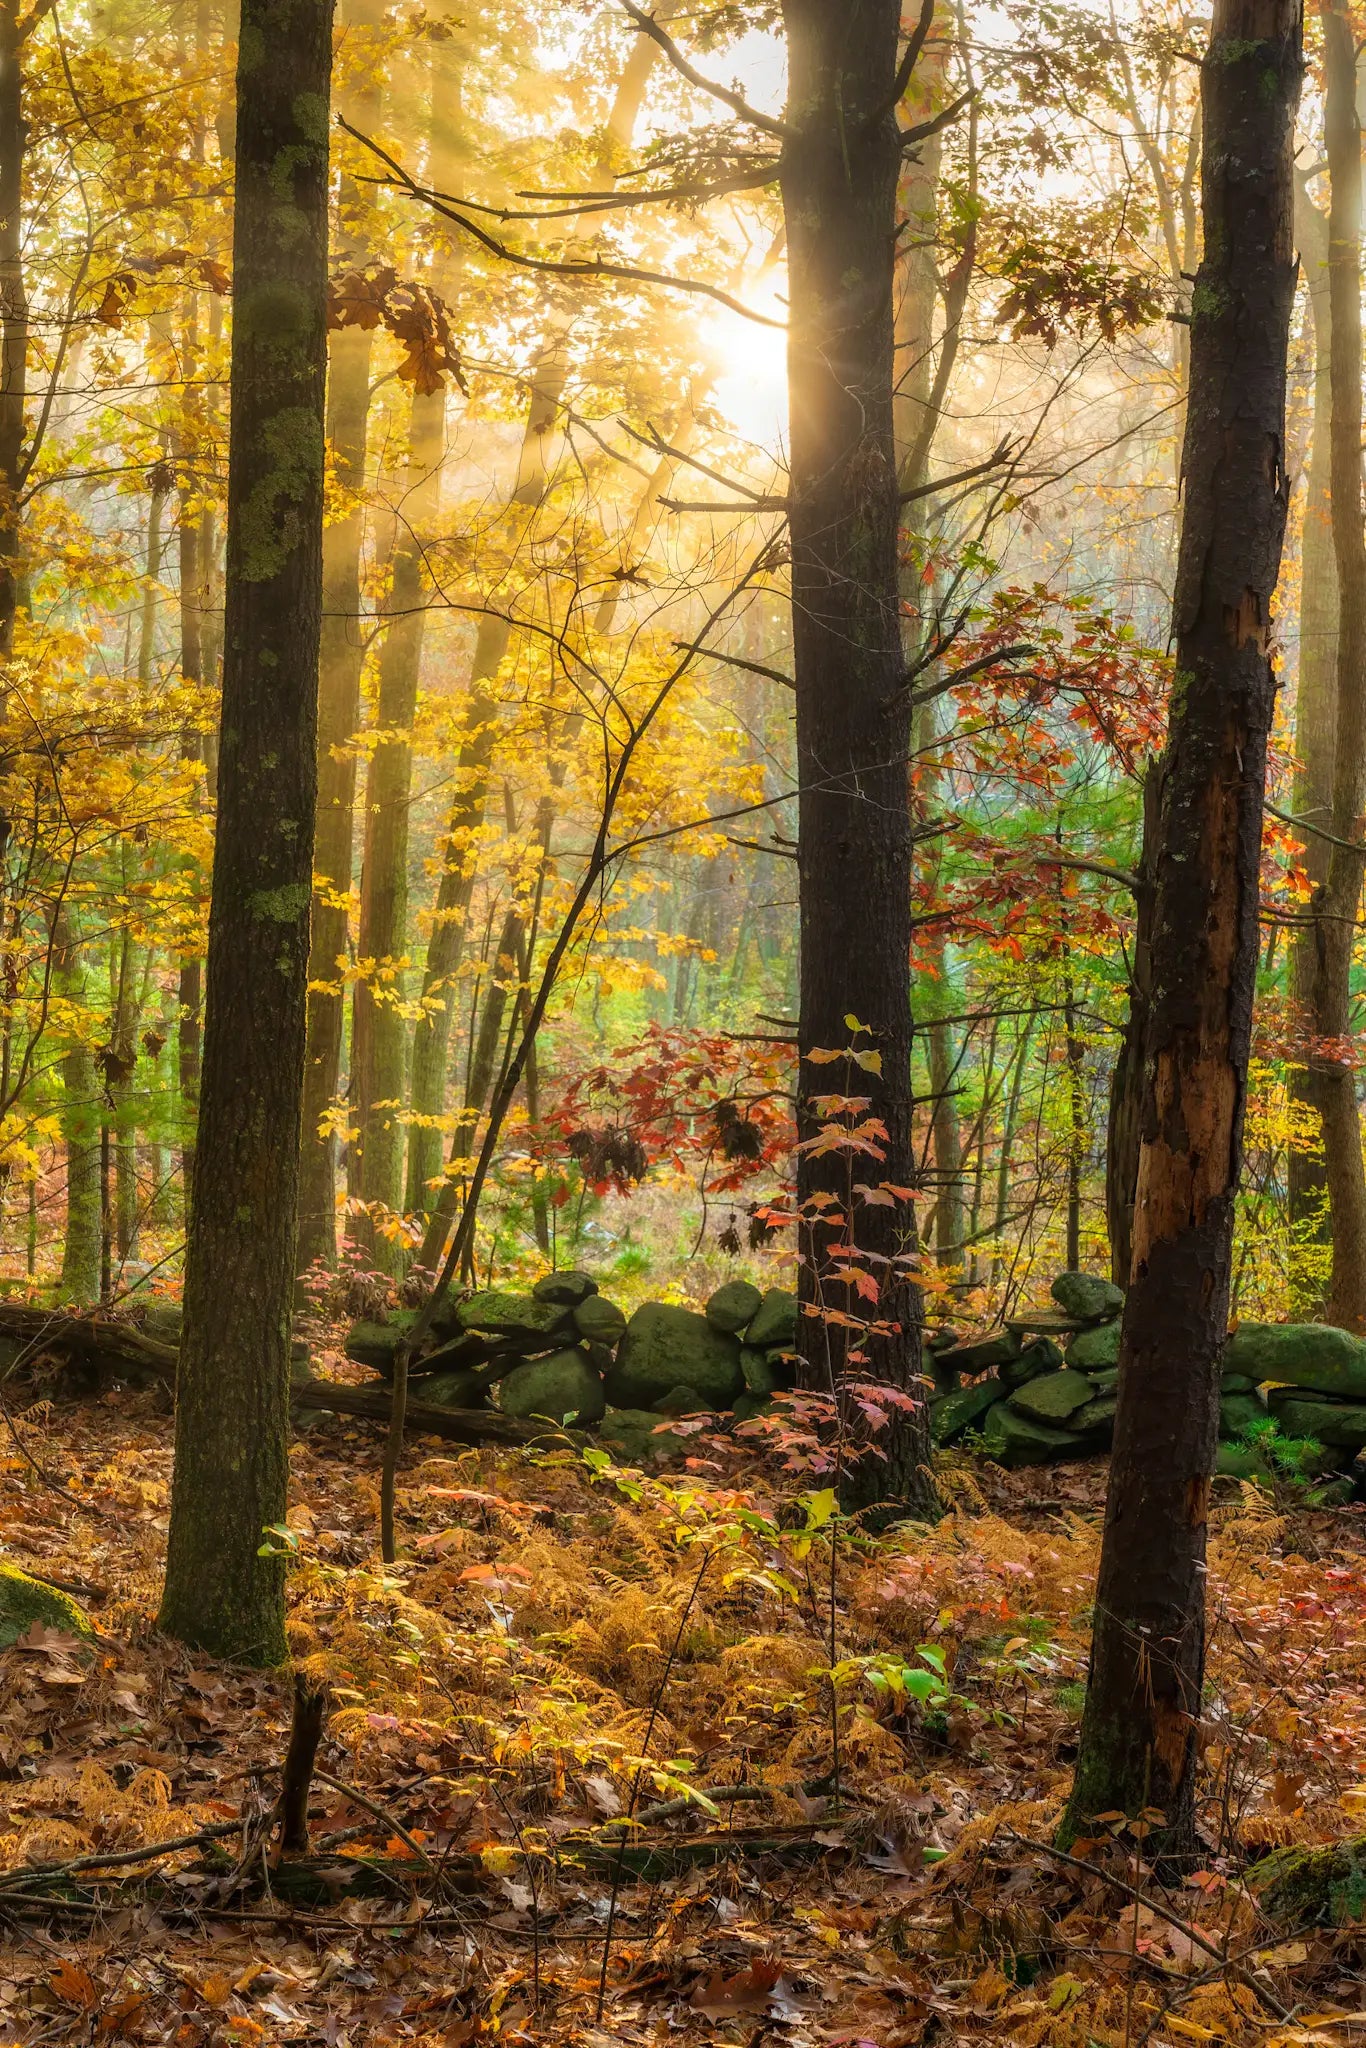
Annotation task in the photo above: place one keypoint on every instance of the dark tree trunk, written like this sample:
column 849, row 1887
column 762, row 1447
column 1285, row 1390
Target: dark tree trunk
column 232, row 1406
column 1315, row 731
column 1331, row 1078
column 1138, row 1741
column 14, row 27
column 1124, row 1132
column 839, row 184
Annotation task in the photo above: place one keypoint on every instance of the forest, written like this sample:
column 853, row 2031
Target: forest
column 682, row 1191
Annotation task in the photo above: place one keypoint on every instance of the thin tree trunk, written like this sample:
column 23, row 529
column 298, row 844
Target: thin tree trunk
column 1315, row 712
column 1124, row 1130
column 14, row 320
column 1331, row 1076
column 840, row 167
column 1139, row 1729
column 232, row 1396
column 79, row 1282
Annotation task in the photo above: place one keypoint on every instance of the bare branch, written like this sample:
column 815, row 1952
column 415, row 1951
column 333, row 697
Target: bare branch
column 648, row 26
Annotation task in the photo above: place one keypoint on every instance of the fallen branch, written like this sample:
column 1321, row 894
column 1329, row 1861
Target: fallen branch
column 424, row 1418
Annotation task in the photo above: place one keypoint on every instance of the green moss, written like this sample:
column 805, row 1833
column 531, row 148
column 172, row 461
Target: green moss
column 1320, row 1886
column 281, row 906
column 24, row 1600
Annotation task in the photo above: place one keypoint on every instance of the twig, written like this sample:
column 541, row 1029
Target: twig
column 381, row 1813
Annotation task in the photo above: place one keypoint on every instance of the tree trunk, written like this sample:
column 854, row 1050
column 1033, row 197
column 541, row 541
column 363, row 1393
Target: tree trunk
column 1124, row 1132
column 839, row 177
column 339, row 716
column 1331, row 1084
column 80, row 1117
column 14, row 27
column 1138, row 1739
column 232, row 1406
column 1315, row 717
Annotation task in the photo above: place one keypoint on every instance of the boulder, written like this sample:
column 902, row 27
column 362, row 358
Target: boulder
column 636, row 1436
column 24, row 1600
column 598, row 1320
column 457, row 1354
column 452, row 1390
column 566, row 1289
column 1106, row 1382
column 1329, row 1422
column 681, row 1401
column 1013, row 1439
column 1238, row 1413
column 1087, row 1297
column 775, row 1320
column 1096, row 1420
column 1312, row 1355
column 374, row 1344
column 666, row 1347
column 1036, row 1359
column 1055, row 1398
column 1240, row 1461
column 1238, row 1383
column 953, row 1413
column 563, row 1387
column 982, row 1354
column 782, row 1364
column 163, row 1321
column 1094, row 1350
column 527, row 1324
column 733, row 1307
column 759, row 1376
column 748, row 1405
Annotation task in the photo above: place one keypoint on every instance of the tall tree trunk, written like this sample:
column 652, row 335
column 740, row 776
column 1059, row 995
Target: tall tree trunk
column 339, row 717
column 1124, row 1132
column 232, row 1396
column 1315, row 711
column 840, row 166
column 14, row 27
column 1331, row 1077
column 79, row 1281
column 1138, row 1738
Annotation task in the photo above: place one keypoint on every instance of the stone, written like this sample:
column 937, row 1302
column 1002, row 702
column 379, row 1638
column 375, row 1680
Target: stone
column 748, row 1405
column 24, row 1600
column 567, row 1289
column 1329, row 1422
column 1012, row 1439
column 1036, row 1359
column 680, row 1401
column 775, row 1320
column 374, row 1344
column 1312, row 1355
column 1238, row 1413
column 954, row 1413
column 1106, row 1382
column 452, row 1390
column 598, row 1320
column 734, row 1306
column 456, row 1354
column 782, row 1363
column 1096, row 1419
column 984, row 1353
column 666, row 1347
column 636, row 1436
column 525, row 1322
column 1055, row 1398
column 163, row 1321
column 1240, row 1461
column 1238, row 1383
column 759, row 1375
column 563, row 1387
column 1087, row 1296
column 1094, row 1350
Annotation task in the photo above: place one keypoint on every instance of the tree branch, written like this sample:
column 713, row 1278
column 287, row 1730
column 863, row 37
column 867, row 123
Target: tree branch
column 648, row 26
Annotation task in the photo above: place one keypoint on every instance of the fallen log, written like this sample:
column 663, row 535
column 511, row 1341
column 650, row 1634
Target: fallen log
column 113, row 1343
column 425, row 1418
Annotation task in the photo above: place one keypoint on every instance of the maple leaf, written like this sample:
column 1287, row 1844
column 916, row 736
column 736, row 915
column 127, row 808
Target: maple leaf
column 748, row 1991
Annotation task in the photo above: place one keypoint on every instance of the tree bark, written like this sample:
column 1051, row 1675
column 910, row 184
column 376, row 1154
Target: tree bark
column 839, row 174
column 1138, row 1739
column 14, row 323
column 232, row 1405
column 1315, row 715
column 1330, row 1081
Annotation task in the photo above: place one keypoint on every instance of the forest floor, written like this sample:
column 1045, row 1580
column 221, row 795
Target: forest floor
column 563, row 1646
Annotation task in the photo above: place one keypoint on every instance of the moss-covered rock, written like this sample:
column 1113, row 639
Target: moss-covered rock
column 519, row 1318
column 599, row 1321
column 1105, row 1382
column 457, row 1389
column 1238, row 1383
column 1087, row 1297
column 954, row 1413
column 566, row 1289
column 563, row 1387
column 666, row 1347
column 1238, row 1413
column 1013, row 1439
column 1312, row 1355
column 681, row 1401
column 733, row 1307
column 1094, row 1350
column 1038, row 1357
column 1055, row 1398
column 1096, row 1421
column 748, row 1405
column 775, row 1321
column 24, row 1600
column 983, row 1354
column 759, row 1375
column 1323, row 1885
column 374, row 1343
column 1340, row 1423
column 1240, row 1461
column 636, row 1436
